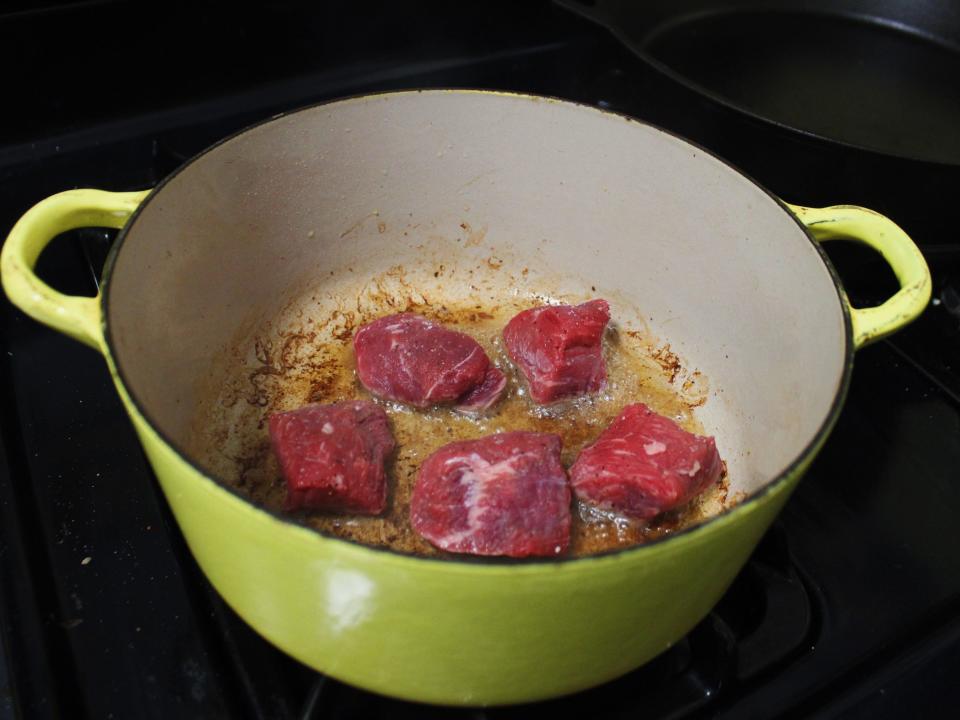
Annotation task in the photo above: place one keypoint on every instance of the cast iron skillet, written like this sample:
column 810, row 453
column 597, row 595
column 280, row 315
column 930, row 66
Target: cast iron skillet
column 859, row 98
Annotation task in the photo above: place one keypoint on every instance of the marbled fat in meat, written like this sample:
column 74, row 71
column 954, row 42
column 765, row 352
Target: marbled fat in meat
column 503, row 494
column 644, row 464
column 332, row 456
column 559, row 349
column 412, row 360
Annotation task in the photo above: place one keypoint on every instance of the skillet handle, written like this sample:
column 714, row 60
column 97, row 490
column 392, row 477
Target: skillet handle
column 849, row 222
column 78, row 317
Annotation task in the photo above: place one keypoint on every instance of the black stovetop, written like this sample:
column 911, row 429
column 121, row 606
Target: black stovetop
column 850, row 606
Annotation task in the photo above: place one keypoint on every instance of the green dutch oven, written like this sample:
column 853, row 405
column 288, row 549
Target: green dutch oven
column 681, row 244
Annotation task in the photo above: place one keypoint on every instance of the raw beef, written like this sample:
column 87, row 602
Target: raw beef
column 504, row 494
column 558, row 348
column 644, row 464
column 484, row 395
column 332, row 456
column 407, row 358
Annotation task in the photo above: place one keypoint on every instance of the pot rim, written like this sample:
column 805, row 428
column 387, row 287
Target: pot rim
column 789, row 473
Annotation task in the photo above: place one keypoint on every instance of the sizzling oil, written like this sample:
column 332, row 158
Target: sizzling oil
column 295, row 368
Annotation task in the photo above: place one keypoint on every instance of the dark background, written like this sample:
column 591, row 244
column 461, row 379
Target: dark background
column 849, row 608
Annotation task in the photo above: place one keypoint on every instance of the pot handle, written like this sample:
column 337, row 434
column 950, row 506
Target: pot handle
column 849, row 222
column 78, row 317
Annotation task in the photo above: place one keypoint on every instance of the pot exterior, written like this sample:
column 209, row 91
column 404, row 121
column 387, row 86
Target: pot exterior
column 454, row 633
column 496, row 632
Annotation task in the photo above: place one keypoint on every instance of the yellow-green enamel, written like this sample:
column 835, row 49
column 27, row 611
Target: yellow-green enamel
column 448, row 632
column 78, row 317
column 849, row 222
column 436, row 630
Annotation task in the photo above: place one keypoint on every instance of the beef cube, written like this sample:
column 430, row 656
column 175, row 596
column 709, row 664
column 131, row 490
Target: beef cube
column 332, row 456
column 504, row 494
column 407, row 358
column 558, row 348
column 644, row 464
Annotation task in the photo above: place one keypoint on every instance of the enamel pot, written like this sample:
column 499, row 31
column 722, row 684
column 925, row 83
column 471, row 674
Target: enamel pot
column 587, row 203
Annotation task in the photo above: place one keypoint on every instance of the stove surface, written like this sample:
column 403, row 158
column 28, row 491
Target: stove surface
column 849, row 607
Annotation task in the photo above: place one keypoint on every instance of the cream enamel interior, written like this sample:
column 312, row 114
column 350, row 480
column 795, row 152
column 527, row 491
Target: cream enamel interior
column 329, row 197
